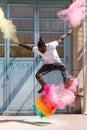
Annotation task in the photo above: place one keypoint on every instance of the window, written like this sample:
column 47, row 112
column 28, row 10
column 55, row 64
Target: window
column 23, row 18
column 51, row 27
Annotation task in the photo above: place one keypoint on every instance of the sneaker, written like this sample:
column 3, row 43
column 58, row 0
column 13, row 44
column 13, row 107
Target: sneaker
column 67, row 85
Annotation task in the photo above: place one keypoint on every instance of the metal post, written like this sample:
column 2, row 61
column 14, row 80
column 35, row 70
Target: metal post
column 84, row 65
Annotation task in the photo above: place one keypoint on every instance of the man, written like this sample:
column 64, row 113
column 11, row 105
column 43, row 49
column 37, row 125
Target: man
column 51, row 58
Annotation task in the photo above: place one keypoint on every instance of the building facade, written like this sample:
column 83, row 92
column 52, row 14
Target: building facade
column 18, row 66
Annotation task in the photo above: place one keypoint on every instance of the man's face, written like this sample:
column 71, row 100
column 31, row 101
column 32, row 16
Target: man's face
column 42, row 49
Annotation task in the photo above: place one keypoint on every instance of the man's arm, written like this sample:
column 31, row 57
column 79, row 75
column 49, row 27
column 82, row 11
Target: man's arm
column 25, row 46
column 65, row 35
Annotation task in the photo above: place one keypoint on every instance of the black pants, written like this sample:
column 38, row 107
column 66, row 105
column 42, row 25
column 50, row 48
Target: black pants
column 46, row 68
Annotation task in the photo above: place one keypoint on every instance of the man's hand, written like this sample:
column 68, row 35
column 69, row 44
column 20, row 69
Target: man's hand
column 65, row 35
column 70, row 31
column 17, row 42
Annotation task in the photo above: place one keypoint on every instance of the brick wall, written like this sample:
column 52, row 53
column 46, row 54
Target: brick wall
column 77, row 55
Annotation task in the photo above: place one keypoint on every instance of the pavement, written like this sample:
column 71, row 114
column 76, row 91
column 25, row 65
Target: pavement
column 55, row 122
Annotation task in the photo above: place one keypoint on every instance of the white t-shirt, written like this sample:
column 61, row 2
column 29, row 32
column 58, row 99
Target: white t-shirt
column 50, row 56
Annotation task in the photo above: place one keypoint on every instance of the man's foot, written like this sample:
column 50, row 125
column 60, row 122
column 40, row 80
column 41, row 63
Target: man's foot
column 41, row 90
column 67, row 85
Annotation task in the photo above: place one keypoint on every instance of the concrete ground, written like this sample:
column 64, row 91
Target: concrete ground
column 55, row 122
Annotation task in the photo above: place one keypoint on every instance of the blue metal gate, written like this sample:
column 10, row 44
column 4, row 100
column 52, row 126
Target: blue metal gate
column 18, row 86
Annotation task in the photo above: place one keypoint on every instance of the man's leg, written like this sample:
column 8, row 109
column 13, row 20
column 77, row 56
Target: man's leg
column 61, row 67
column 42, row 71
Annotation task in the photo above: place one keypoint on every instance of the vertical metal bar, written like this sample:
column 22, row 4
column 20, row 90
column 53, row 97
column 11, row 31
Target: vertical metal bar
column 84, row 65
